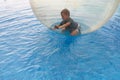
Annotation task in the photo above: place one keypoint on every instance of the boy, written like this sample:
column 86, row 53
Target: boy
column 68, row 23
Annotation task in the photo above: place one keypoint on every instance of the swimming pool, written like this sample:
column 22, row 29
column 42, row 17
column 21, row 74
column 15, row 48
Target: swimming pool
column 30, row 51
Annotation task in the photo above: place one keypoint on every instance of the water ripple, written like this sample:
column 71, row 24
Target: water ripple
column 31, row 51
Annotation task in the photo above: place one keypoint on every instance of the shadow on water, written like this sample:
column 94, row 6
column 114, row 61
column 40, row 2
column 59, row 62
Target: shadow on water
column 56, row 55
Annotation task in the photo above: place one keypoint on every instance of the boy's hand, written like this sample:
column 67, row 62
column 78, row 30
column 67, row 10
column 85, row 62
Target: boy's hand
column 63, row 28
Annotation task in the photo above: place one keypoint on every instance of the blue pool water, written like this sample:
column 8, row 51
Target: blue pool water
column 30, row 51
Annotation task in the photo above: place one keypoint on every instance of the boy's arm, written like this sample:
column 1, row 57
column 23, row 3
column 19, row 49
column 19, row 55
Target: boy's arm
column 64, row 25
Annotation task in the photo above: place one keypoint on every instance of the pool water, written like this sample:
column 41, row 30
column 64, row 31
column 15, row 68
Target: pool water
column 31, row 51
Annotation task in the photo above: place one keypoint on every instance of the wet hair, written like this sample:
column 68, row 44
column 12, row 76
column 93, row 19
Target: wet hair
column 66, row 12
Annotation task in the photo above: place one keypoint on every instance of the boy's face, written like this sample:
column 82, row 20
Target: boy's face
column 64, row 16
